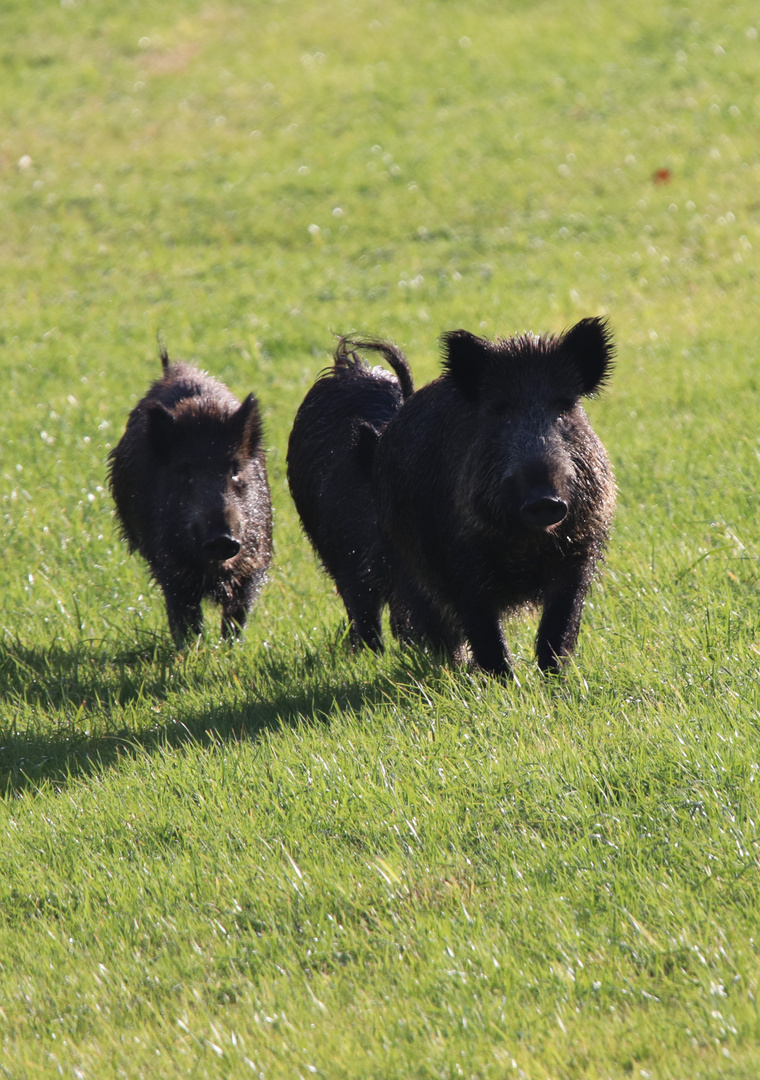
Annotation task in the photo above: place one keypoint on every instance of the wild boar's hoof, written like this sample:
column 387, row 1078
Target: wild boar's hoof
column 221, row 548
column 542, row 512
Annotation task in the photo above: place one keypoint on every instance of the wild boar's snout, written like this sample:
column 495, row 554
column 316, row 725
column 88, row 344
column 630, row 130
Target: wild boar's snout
column 221, row 547
column 543, row 508
column 215, row 520
column 543, row 487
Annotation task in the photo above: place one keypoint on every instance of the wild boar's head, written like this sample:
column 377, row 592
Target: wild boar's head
column 203, row 457
column 520, row 398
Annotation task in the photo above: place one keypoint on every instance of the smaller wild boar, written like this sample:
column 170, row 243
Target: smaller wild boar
column 189, row 481
column 330, row 452
column 493, row 491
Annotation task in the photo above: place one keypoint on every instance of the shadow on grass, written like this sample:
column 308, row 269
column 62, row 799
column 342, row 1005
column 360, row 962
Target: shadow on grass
column 28, row 763
column 86, row 674
column 80, row 685
column 76, row 688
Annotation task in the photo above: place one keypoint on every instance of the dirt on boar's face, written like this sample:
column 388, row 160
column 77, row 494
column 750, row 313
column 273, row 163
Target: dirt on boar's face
column 190, row 486
column 493, row 491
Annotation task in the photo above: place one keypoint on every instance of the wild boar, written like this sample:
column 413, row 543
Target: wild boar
column 330, row 452
column 189, row 480
column 494, row 492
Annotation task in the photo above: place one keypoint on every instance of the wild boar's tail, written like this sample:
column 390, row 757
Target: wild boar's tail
column 346, row 353
column 163, row 352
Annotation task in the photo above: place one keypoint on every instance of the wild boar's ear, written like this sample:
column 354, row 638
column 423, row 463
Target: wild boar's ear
column 247, row 422
column 464, row 359
column 589, row 345
column 161, row 427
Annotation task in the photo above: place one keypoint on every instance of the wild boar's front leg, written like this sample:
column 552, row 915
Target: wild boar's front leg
column 560, row 623
column 237, row 604
column 484, row 632
column 185, row 617
column 233, row 622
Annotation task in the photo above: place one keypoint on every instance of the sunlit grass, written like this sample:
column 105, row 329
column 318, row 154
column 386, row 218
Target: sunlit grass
column 280, row 859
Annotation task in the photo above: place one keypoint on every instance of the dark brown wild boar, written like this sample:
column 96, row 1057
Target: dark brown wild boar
column 330, row 452
column 189, row 481
column 493, row 491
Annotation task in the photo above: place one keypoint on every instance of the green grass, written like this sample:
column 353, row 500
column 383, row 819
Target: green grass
column 280, row 860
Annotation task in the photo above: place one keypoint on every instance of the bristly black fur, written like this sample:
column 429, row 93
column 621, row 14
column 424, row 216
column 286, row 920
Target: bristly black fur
column 189, row 481
column 493, row 491
column 330, row 460
column 469, row 359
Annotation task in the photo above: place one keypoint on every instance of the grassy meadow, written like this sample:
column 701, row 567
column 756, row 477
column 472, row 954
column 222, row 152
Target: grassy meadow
column 278, row 859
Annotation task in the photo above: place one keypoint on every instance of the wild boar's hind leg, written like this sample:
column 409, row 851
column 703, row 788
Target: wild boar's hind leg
column 560, row 622
column 415, row 621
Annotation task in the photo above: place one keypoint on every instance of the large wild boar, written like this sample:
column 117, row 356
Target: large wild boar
column 493, row 491
column 189, row 481
column 330, row 452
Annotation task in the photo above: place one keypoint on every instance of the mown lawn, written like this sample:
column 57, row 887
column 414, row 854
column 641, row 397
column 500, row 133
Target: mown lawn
column 279, row 859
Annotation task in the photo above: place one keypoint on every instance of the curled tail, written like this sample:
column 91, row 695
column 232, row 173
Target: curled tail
column 346, row 354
